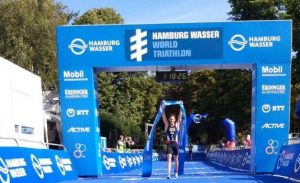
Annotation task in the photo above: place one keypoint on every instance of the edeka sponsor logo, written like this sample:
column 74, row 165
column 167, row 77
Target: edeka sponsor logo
column 78, row 93
column 75, row 75
column 268, row 71
column 273, row 89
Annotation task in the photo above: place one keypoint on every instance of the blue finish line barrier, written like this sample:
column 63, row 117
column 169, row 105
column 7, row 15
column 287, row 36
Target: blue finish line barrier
column 19, row 164
column 235, row 159
column 114, row 163
column 288, row 162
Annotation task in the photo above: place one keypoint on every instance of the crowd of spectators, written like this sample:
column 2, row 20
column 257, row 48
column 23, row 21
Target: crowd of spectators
column 124, row 144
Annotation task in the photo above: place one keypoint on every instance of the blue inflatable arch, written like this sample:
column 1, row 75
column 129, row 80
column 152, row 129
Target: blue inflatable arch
column 262, row 46
column 230, row 129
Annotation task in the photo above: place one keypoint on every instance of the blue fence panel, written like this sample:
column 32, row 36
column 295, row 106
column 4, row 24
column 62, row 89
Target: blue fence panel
column 18, row 164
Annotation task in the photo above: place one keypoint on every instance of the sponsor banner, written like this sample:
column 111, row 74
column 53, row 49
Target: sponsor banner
column 35, row 165
column 114, row 163
column 237, row 159
column 173, row 44
column 288, row 162
column 205, row 43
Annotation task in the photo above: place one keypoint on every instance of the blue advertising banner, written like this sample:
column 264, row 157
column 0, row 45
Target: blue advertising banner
column 263, row 46
column 236, row 159
column 288, row 162
column 114, row 163
column 271, row 114
column 19, row 164
column 170, row 44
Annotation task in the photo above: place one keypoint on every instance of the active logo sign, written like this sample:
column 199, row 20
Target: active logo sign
column 79, row 130
column 273, row 125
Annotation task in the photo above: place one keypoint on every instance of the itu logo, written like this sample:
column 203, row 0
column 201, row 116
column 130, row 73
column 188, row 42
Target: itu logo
column 79, row 150
column 237, row 42
column 4, row 172
column 271, row 147
column 137, row 45
column 77, row 46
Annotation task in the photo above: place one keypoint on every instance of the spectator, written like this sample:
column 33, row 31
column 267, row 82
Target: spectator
column 53, row 136
column 230, row 145
column 191, row 151
column 247, row 142
column 121, row 144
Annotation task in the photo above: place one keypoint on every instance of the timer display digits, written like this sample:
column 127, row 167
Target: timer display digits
column 171, row 76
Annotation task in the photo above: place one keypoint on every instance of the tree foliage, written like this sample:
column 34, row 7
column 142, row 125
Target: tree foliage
column 27, row 29
column 99, row 16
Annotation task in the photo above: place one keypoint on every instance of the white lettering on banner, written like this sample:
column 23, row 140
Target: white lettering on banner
column 170, row 35
column 273, row 89
column 165, row 44
column 74, row 76
column 172, row 53
column 238, row 41
column 13, row 166
column 266, row 108
column 272, row 71
column 78, row 46
column 72, row 112
column 263, row 41
column 17, row 162
column 79, row 130
column 103, row 45
column 207, row 34
column 273, row 125
column 79, row 93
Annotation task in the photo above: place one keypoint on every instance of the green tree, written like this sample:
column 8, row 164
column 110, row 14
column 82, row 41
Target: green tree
column 27, row 30
column 99, row 16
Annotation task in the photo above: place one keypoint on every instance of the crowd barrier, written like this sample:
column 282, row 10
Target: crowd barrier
column 235, row 159
column 115, row 163
column 20, row 164
column 288, row 162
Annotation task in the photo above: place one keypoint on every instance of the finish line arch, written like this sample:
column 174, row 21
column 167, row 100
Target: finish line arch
column 262, row 46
